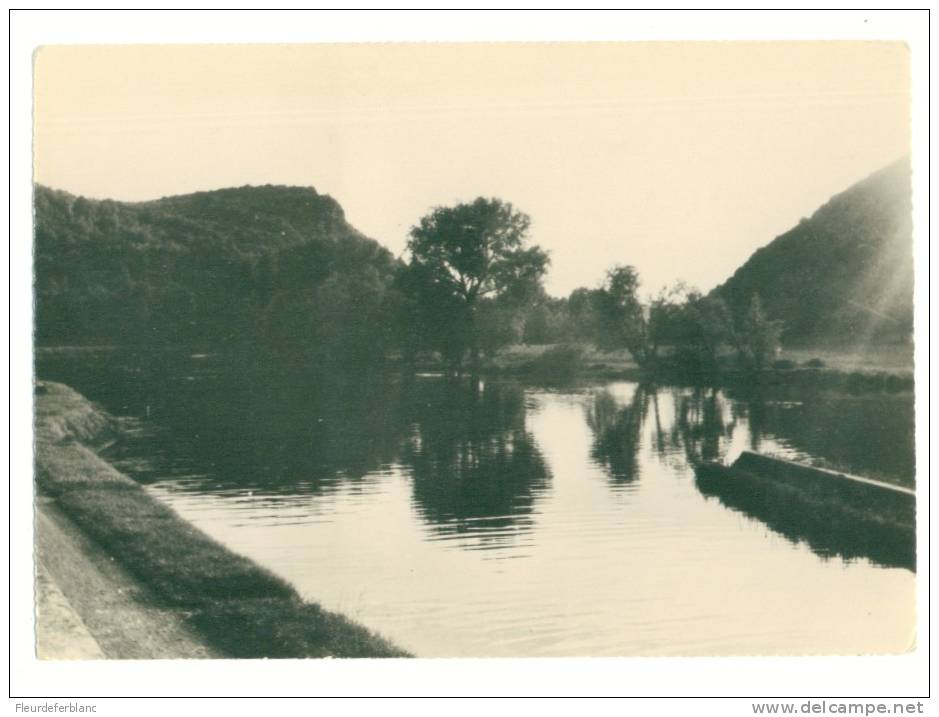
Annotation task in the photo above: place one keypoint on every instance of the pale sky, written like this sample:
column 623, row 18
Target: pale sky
column 678, row 158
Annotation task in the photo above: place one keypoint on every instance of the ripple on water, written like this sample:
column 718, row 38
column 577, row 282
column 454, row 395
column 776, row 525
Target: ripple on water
column 594, row 539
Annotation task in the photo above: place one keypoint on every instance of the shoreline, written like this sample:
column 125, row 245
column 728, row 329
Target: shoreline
column 117, row 616
column 145, row 583
column 857, row 380
column 525, row 363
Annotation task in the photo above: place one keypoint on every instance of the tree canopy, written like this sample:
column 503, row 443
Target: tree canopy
column 478, row 249
column 269, row 267
column 474, row 252
column 279, row 269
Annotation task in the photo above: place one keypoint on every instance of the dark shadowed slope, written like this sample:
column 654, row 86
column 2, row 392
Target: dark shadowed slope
column 845, row 274
column 205, row 266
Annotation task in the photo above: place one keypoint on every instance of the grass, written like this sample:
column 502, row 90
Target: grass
column 237, row 606
column 559, row 363
column 285, row 628
column 66, row 465
column 62, row 413
column 887, row 359
column 175, row 560
column 874, row 368
column 563, row 359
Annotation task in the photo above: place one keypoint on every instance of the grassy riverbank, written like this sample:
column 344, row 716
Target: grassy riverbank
column 237, row 607
column 887, row 368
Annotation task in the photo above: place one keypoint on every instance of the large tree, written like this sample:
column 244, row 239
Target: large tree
column 475, row 251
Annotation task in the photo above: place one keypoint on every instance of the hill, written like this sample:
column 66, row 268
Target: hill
column 845, row 274
column 210, row 266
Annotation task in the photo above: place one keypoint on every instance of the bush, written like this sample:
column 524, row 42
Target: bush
column 559, row 363
column 784, row 365
column 814, row 363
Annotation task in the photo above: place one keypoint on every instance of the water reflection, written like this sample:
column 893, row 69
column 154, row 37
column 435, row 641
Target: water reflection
column 871, row 434
column 380, row 496
column 476, row 469
column 214, row 428
column 703, row 424
column 617, row 430
column 706, row 426
column 827, row 532
column 271, row 437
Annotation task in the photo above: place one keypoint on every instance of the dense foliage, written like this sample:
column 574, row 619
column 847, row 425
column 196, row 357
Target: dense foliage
column 843, row 276
column 279, row 269
column 472, row 259
column 845, row 273
column 267, row 266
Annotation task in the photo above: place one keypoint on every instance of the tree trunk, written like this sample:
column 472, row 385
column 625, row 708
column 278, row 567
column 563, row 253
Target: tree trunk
column 474, row 339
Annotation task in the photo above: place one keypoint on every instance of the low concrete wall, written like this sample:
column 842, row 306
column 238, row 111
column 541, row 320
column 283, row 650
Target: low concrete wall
column 896, row 503
column 832, row 515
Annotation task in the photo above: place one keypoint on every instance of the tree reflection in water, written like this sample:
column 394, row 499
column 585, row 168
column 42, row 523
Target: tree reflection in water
column 275, row 435
column 699, row 428
column 701, row 424
column 476, row 469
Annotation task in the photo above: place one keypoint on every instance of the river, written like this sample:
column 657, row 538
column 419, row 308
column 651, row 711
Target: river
column 498, row 518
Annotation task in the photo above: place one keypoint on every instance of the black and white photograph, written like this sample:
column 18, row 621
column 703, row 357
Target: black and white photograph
column 358, row 350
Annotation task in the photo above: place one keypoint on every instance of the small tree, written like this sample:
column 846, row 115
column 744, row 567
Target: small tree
column 625, row 321
column 668, row 316
column 477, row 250
column 758, row 339
column 699, row 329
column 496, row 327
column 715, row 328
column 537, row 325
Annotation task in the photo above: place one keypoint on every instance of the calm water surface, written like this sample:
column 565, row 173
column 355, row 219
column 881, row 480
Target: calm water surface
column 501, row 519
